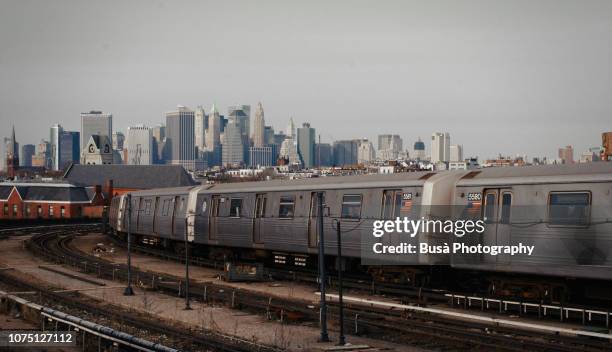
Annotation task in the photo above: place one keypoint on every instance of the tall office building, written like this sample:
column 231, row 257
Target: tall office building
column 440, row 147
column 306, row 145
column 42, row 157
column 365, row 153
column 290, row 129
column 139, row 145
column 180, row 137
column 200, row 129
column 262, row 156
column 95, row 123
column 55, row 137
column 159, row 135
column 346, row 152
column 566, row 154
column 242, row 115
column 289, row 152
column 69, row 150
column 324, row 155
column 456, row 153
column 419, row 149
column 213, row 136
column 27, row 153
column 259, row 128
column 233, row 147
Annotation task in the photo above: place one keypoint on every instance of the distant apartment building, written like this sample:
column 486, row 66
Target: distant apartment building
column 440, row 147
column 456, row 153
column 180, row 138
column 306, row 145
column 566, row 154
column 262, row 156
column 606, row 145
column 95, row 123
column 139, row 145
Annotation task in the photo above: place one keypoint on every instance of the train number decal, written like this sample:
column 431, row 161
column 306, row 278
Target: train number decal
column 407, row 196
column 474, row 197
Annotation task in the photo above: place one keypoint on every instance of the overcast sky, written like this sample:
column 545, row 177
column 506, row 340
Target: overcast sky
column 512, row 77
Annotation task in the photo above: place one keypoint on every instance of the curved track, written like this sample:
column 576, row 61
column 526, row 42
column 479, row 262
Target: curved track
column 423, row 330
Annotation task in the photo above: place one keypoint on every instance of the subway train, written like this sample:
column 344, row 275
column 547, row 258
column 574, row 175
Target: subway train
column 564, row 211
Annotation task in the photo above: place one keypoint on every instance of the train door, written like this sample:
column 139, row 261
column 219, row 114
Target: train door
column 215, row 203
column 496, row 215
column 260, row 211
column 313, row 226
column 176, row 204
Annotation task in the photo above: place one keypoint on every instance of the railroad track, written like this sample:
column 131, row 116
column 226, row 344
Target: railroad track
column 426, row 330
column 419, row 296
column 51, row 245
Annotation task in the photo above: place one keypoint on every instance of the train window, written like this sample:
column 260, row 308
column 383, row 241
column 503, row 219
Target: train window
column 569, row 208
column 286, row 207
column 147, row 207
column 165, row 207
column 235, row 206
column 392, row 204
column 351, row 206
column 506, row 206
column 489, row 209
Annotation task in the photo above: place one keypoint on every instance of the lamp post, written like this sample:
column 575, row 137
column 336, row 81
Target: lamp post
column 128, row 290
column 187, row 305
column 323, row 306
column 341, row 339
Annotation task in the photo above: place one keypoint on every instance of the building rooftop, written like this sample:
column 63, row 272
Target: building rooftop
column 129, row 176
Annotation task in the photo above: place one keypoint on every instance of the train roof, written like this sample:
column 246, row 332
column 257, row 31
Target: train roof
column 583, row 172
column 327, row 182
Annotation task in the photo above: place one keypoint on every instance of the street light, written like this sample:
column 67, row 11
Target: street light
column 187, row 305
column 323, row 314
column 128, row 290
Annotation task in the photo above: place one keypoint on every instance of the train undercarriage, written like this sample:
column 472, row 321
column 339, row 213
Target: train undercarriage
column 510, row 286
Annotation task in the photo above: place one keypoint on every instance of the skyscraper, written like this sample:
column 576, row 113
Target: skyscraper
column 95, row 122
column 290, row 129
column 69, row 151
column 233, row 148
column 259, row 128
column 419, row 149
column 306, row 145
column 158, row 135
column 440, row 147
column 180, row 137
column 365, row 153
column 389, row 146
column 27, row 152
column 118, row 140
column 346, row 152
column 324, row 154
column 242, row 115
column 456, row 153
column 200, row 129
column 55, row 137
column 140, row 145
column 213, row 136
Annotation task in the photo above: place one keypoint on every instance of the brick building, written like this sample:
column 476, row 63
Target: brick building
column 19, row 201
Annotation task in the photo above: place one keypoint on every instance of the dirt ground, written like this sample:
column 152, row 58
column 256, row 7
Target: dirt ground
column 221, row 319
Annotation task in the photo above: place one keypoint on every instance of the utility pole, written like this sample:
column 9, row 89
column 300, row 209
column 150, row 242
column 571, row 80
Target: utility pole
column 128, row 290
column 323, row 307
column 341, row 339
column 187, row 306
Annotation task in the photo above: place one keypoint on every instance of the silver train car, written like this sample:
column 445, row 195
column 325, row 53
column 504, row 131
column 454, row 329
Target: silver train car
column 563, row 210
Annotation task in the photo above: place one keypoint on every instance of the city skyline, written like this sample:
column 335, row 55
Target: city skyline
column 510, row 78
